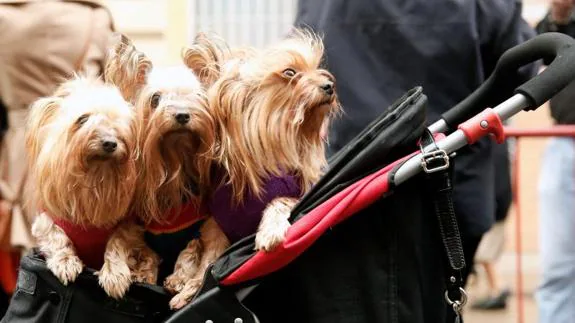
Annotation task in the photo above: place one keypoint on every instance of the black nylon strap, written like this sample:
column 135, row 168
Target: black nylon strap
column 439, row 186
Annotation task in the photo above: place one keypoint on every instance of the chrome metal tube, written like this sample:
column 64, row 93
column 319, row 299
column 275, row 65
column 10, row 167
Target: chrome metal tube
column 512, row 106
column 457, row 140
column 438, row 126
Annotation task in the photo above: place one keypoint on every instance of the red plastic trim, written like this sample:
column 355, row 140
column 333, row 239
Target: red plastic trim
column 554, row 131
column 487, row 122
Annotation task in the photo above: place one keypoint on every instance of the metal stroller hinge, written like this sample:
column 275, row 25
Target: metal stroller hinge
column 433, row 157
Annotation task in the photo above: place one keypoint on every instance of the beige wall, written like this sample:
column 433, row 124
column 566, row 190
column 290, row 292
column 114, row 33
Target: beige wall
column 157, row 27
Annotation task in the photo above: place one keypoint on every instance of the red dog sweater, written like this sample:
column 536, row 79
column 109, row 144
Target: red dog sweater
column 89, row 241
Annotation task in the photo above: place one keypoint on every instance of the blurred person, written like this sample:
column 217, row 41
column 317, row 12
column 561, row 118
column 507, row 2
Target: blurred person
column 41, row 44
column 4, row 301
column 493, row 242
column 379, row 49
column 556, row 293
column 3, row 120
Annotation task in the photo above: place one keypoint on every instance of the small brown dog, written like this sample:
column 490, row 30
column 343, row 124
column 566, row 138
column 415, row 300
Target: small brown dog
column 270, row 106
column 81, row 143
column 176, row 143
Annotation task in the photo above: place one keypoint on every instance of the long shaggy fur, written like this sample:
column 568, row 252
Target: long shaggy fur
column 73, row 179
column 125, row 67
column 81, row 179
column 269, row 121
column 172, row 154
column 205, row 56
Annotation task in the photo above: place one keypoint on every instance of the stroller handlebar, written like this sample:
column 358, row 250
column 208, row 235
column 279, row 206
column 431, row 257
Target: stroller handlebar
column 557, row 48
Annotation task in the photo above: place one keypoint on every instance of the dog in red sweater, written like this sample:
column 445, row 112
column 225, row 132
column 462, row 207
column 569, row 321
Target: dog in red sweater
column 81, row 144
column 176, row 141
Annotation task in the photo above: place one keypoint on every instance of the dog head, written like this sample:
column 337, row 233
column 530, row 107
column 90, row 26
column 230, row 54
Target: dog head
column 176, row 129
column 271, row 105
column 81, row 147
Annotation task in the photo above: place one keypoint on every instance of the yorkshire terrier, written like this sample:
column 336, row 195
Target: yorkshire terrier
column 81, row 143
column 272, row 107
column 176, row 142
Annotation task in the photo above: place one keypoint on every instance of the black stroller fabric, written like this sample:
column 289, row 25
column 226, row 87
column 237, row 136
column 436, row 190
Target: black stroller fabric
column 40, row 297
column 384, row 264
column 388, row 138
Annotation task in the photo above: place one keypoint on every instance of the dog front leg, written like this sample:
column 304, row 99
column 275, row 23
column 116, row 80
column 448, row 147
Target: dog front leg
column 215, row 243
column 186, row 266
column 275, row 223
column 58, row 249
column 143, row 261
column 115, row 276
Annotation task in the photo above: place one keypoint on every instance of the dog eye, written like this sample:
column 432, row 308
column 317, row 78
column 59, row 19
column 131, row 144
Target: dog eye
column 289, row 72
column 155, row 100
column 82, row 119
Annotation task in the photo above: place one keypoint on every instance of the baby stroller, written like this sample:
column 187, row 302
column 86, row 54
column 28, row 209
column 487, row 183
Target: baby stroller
column 375, row 240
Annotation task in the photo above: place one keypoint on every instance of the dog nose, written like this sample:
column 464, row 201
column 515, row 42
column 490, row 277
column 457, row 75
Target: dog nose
column 109, row 146
column 327, row 88
column 182, row 118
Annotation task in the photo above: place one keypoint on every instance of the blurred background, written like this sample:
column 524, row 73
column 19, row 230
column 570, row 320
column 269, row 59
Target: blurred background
column 161, row 27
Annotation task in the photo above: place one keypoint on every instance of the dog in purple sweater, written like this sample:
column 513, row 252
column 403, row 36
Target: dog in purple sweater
column 270, row 107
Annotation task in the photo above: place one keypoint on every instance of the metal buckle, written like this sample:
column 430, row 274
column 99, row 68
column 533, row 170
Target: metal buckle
column 457, row 305
column 460, row 302
column 434, row 156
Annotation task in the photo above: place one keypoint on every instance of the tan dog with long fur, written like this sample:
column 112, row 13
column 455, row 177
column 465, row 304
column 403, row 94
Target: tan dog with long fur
column 270, row 106
column 177, row 142
column 81, row 143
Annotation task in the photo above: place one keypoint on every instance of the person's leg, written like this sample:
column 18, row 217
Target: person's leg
column 492, row 281
column 487, row 255
column 556, row 294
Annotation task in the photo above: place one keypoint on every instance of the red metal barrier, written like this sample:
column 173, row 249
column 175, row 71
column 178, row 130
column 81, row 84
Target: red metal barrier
column 554, row 131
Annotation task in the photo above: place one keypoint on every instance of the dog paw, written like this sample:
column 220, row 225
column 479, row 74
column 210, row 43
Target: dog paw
column 115, row 280
column 145, row 277
column 185, row 296
column 143, row 265
column 144, row 272
column 66, row 268
column 174, row 283
column 270, row 237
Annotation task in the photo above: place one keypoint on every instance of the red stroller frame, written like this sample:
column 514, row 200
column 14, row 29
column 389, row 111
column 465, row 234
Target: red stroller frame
column 229, row 281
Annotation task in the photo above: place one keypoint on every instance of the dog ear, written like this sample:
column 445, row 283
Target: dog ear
column 42, row 111
column 126, row 67
column 205, row 57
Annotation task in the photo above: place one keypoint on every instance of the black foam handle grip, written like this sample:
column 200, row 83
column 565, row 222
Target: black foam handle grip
column 557, row 48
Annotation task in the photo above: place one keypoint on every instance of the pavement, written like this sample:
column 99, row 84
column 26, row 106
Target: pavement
column 507, row 273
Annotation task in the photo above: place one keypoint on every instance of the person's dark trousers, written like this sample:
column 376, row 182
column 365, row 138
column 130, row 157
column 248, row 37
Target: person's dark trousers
column 470, row 245
column 4, row 301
